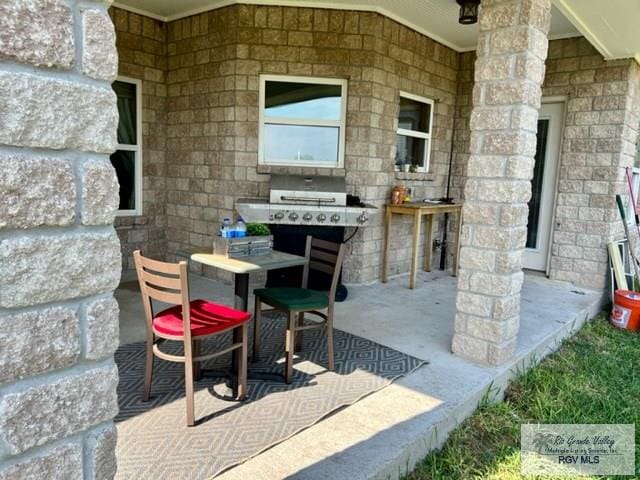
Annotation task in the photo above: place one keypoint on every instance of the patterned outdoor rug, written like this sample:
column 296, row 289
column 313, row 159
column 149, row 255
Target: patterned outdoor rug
column 154, row 443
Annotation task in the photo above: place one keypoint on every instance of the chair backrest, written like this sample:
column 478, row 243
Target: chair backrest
column 164, row 282
column 325, row 257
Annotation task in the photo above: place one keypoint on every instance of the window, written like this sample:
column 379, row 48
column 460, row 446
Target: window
column 415, row 120
column 127, row 159
column 302, row 121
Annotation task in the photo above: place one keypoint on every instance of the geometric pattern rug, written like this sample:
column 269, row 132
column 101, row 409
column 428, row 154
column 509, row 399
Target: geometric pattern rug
column 155, row 443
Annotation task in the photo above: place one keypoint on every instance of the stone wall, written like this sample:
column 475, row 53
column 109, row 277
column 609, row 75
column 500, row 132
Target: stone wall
column 462, row 129
column 600, row 134
column 599, row 141
column 214, row 62
column 141, row 43
column 59, row 253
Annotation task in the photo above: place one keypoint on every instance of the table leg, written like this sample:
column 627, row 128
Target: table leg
column 241, row 288
column 428, row 249
column 385, row 250
column 456, row 250
column 241, row 301
column 416, row 240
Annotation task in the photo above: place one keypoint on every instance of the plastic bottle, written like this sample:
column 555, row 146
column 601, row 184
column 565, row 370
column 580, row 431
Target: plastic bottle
column 225, row 230
column 241, row 228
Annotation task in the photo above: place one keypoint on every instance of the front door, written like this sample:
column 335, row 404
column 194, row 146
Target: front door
column 543, row 187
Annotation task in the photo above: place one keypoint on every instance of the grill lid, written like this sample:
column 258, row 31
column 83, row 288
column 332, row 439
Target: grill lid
column 308, row 190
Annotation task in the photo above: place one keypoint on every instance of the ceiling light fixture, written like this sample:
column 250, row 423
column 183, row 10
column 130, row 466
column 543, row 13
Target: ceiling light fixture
column 468, row 11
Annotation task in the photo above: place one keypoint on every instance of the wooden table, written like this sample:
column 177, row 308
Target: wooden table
column 418, row 210
column 243, row 266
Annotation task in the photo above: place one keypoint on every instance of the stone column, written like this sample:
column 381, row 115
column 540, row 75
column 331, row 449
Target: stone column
column 509, row 70
column 59, row 254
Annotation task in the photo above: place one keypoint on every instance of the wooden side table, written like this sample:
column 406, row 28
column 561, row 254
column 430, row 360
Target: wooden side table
column 418, row 210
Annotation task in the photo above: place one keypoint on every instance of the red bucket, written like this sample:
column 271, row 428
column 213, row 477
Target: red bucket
column 626, row 310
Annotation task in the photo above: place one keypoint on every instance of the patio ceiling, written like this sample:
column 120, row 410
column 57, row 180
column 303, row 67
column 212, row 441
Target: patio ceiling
column 609, row 25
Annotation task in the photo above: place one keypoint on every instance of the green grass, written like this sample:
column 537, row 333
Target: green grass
column 593, row 378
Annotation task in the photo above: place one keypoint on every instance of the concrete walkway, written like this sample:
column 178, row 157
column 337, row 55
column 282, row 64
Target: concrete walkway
column 383, row 435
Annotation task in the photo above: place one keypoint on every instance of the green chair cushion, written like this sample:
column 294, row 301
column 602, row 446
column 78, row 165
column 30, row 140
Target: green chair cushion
column 293, row 299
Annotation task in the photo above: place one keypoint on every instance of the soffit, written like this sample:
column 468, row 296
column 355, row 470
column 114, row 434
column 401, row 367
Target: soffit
column 610, row 25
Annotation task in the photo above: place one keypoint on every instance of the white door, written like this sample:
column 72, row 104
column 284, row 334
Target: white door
column 543, row 187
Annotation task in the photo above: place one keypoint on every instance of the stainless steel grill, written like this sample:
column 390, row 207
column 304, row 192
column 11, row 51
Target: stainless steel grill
column 297, row 200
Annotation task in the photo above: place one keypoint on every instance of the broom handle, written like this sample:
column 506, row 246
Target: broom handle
column 634, row 260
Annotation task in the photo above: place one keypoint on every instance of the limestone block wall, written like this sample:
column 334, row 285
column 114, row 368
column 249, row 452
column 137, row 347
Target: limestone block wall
column 141, row 44
column 601, row 131
column 214, row 63
column 462, row 132
column 598, row 142
column 59, row 253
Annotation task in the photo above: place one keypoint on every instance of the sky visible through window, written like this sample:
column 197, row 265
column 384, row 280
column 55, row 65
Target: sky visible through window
column 299, row 143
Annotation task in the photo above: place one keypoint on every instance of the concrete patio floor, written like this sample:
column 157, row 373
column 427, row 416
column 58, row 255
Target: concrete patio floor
column 383, row 435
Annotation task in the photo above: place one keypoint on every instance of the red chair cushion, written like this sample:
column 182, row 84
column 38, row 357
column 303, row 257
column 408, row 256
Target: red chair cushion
column 206, row 318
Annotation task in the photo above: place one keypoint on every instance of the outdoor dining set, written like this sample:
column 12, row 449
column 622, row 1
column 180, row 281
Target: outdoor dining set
column 191, row 321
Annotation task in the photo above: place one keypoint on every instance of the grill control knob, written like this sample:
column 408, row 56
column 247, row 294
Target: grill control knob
column 279, row 216
column 335, row 218
column 362, row 218
column 307, row 217
column 293, row 216
column 321, row 217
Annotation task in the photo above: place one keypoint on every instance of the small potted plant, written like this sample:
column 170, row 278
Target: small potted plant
column 257, row 230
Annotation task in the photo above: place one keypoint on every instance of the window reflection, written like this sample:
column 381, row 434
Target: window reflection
column 126, row 93
column 125, row 164
column 302, row 100
column 414, row 115
column 410, row 151
column 299, row 144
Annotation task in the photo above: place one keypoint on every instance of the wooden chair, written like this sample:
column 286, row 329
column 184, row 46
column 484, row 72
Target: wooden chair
column 322, row 256
column 186, row 321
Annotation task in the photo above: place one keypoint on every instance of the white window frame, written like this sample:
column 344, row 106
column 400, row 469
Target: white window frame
column 137, row 148
column 635, row 184
column 340, row 124
column 415, row 133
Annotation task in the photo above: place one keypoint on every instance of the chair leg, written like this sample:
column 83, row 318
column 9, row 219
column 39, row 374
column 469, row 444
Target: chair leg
column 299, row 334
column 188, row 384
column 242, row 364
column 148, row 370
column 257, row 311
column 197, row 348
column 289, row 347
column 330, row 340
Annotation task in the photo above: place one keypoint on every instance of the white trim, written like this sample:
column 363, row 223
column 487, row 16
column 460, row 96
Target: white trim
column 554, row 99
column 137, row 148
column 563, row 99
column 340, row 124
column 562, row 36
column 426, row 136
column 305, row 122
column 140, row 11
column 361, row 7
column 413, row 133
